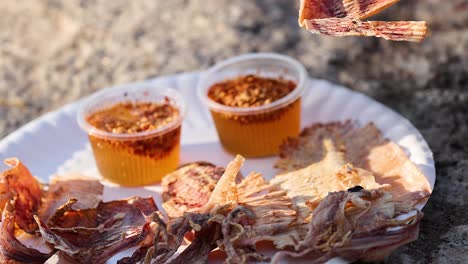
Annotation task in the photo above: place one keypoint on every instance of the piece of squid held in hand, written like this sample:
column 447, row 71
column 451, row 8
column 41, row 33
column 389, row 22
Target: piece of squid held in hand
column 345, row 18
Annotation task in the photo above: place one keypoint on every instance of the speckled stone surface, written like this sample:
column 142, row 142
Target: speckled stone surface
column 54, row 52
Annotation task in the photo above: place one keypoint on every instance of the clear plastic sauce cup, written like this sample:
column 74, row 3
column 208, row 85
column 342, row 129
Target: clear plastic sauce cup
column 256, row 131
column 137, row 158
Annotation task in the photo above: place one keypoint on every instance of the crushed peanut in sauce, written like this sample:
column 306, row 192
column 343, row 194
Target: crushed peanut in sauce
column 250, row 91
column 131, row 118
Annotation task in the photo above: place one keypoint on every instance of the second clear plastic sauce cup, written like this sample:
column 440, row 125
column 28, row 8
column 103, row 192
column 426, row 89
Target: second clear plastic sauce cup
column 256, row 131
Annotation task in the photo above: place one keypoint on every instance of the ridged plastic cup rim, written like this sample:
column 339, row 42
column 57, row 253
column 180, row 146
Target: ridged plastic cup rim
column 173, row 95
column 289, row 98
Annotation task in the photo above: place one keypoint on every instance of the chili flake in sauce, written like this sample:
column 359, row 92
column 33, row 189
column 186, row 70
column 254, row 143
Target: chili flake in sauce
column 131, row 118
column 250, row 91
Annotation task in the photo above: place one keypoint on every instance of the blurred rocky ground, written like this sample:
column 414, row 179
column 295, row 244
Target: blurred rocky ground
column 53, row 52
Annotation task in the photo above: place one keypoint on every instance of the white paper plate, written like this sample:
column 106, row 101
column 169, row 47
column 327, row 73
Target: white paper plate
column 54, row 143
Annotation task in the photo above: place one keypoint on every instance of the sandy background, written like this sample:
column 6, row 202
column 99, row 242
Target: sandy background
column 54, row 52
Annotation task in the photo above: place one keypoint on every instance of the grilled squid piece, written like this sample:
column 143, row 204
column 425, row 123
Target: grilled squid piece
column 189, row 187
column 94, row 235
column 169, row 237
column 86, row 191
column 12, row 250
column 345, row 18
column 225, row 192
column 309, row 185
column 17, row 183
column 22, row 198
column 362, row 146
column 356, row 225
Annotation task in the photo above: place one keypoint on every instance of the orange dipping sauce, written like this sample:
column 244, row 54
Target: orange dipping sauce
column 254, row 134
column 134, row 161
